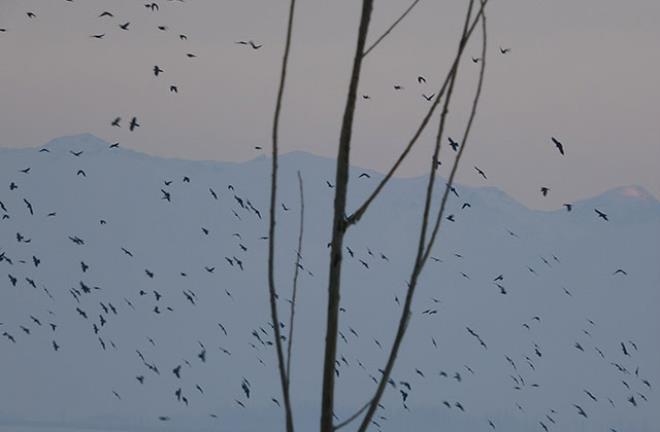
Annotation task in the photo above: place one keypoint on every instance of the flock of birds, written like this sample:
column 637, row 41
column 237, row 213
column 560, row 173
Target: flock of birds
column 87, row 301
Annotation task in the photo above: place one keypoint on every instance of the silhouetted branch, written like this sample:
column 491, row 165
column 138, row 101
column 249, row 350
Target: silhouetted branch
column 468, row 127
column 295, row 278
column 271, row 229
column 339, row 225
column 353, row 417
column 390, row 28
column 357, row 214
column 422, row 248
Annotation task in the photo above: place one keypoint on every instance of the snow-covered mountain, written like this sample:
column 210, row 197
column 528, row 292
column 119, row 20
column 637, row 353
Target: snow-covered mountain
column 180, row 283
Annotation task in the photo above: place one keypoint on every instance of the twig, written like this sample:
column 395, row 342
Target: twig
column 271, row 229
column 468, row 127
column 353, row 417
column 390, row 28
column 295, row 279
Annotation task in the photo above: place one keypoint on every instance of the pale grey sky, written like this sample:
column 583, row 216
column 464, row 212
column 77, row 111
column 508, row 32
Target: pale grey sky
column 583, row 71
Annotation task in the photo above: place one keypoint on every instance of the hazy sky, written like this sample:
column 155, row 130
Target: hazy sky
column 583, row 71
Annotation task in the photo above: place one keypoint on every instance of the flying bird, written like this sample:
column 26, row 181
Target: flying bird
column 559, row 145
column 601, row 214
column 133, row 124
column 453, row 144
column 29, row 206
column 481, row 173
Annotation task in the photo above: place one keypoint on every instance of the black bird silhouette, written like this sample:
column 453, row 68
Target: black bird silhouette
column 162, row 28
column 116, row 121
column 76, row 153
column 569, row 207
column 157, row 70
column 174, row 89
column 481, row 173
column 81, row 172
column 505, row 50
column 177, row 371
column 98, row 36
column 475, row 59
column 255, row 46
column 31, row 15
column 81, row 312
column 453, row 144
column 429, row 97
column 166, row 195
column 421, row 79
column 621, row 271
column 624, row 349
column 245, row 385
column 559, row 145
column 125, row 25
column 56, row 346
column 153, row 6
column 580, row 410
column 127, row 252
column 601, row 214
column 365, row 175
column 183, row 37
column 29, row 206
column 115, row 145
column 25, row 171
column 12, row 186
column 545, row 190
column 133, row 124
column 106, row 14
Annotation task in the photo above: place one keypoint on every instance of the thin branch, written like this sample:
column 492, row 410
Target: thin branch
column 390, row 28
column 357, row 214
column 339, row 225
column 468, row 127
column 271, row 229
column 422, row 249
column 354, row 416
column 295, row 279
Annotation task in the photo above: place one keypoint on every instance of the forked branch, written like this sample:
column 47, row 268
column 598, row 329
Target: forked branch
column 357, row 214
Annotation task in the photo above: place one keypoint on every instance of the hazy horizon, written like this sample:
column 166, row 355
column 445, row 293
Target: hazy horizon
column 583, row 72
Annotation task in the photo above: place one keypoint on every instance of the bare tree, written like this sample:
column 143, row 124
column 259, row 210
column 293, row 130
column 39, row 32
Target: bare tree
column 342, row 221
